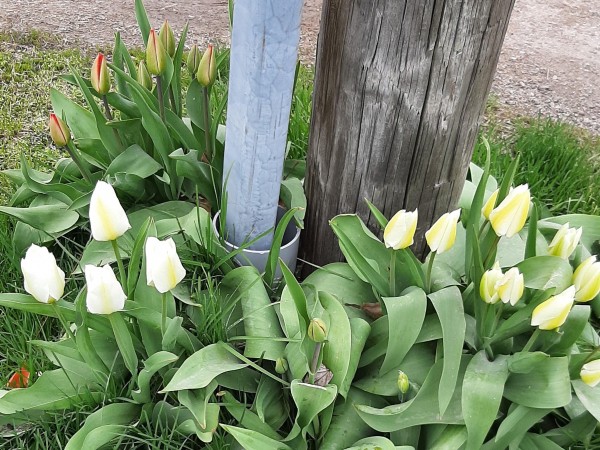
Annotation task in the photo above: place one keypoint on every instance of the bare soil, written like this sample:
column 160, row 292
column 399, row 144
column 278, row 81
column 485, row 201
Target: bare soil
column 550, row 63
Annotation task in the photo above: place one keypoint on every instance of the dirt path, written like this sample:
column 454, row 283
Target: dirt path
column 550, row 63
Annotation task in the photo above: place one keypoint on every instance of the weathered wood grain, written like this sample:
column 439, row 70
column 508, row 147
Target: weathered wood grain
column 400, row 91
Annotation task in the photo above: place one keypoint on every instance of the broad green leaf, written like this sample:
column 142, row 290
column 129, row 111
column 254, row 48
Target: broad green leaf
column 51, row 218
column 298, row 321
column 294, row 168
column 360, row 330
column 213, row 359
column 248, row 418
column 422, row 409
column 533, row 441
column 483, row 387
column 293, row 197
column 116, row 414
column 142, row 20
column 152, row 365
column 270, row 403
column 197, row 402
column 377, row 443
column 545, row 272
column 545, row 386
column 337, row 349
column 346, row 426
column 406, row 315
column 260, row 321
column 54, row 390
column 134, row 161
column 452, row 437
column 448, row 304
column 252, row 440
column 576, row 322
column 123, row 337
column 81, row 122
column 579, row 426
column 589, row 396
column 514, row 426
column 272, row 269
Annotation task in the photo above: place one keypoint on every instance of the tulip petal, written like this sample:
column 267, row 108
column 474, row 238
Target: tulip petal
column 43, row 279
column 552, row 313
column 104, row 293
column 163, row 267
column 590, row 373
column 108, row 219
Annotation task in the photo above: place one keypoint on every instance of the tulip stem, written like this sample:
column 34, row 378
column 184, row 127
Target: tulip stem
column 393, row 274
column 122, row 275
column 109, row 115
column 159, row 92
column 163, row 324
column 62, row 320
column 172, row 100
column 531, row 340
column 207, row 125
column 592, row 355
column 429, row 271
column 486, row 263
column 72, row 151
column 315, row 361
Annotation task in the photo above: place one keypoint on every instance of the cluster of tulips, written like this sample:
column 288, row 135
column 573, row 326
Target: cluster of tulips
column 507, row 219
column 45, row 281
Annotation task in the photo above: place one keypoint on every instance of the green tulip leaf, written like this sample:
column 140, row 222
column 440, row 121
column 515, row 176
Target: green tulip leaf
column 248, row 418
column 152, row 365
column 253, row 440
column 514, row 426
column 270, row 404
column 546, row 272
column 134, row 161
column 377, row 443
column 589, row 396
column 197, row 402
column 81, row 122
column 292, row 195
column 123, row 337
column 49, row 218
column 448, row 304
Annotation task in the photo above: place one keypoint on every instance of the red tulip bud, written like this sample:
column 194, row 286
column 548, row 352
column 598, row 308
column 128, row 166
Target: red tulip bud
column 19, row 379
column 156, row 55
column 59, row 131
column 100, row 75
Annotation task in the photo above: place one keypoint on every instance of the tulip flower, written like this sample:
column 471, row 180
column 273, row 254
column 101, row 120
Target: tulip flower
column 509, row 217
column 143, row 76
column 44, row 280
column 156, row 55
column 552, row 313
column 403, row 382
column 281, row 366
column 167, row 38
column 441, row 236
column 488, row 286
column 100, row 75
column 400, row 230
column 104, row 293
column 317, row 330
column 19, row 379
column 565, row 241
column 590, row 373
column 489, row 205
column 163, row 267
column 587, row 280
column 59, row 131
column 193, row 60
column 511, row 286
column 207, row 69
column 107, row 217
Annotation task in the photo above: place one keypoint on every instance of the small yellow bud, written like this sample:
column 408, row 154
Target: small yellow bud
column 207, row 69
column 281, row 365
column 143, row 76
column 488, row 286
column 193, row 60
column 403, row 383
column 167, row 38
column 317, row 330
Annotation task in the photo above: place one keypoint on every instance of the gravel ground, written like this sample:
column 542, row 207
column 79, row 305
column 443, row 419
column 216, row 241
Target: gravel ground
column 550, row 63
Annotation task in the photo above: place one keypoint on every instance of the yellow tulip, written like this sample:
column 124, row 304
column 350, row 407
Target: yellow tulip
column 489, row 280
column 489, row 205
column 104, row 293
column 590, row 373
column 156, row 55
column 400, row 230
column 587, row 280
column 511, row 286
column 565, row 241
column 552, row 313
column 163, row 266
column 44, row 280
column 509, row 217
column 100, row 76
column 107, row 217
column 441, row 236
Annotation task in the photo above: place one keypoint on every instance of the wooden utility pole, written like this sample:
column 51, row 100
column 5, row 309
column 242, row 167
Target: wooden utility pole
column 400, row 90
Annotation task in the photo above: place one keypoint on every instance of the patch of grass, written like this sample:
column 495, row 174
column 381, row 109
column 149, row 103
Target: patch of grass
column 560, row 163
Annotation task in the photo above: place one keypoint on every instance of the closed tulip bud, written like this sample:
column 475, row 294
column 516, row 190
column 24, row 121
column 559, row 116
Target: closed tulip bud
column 590, row 373
column 489, row 281
column 44, row 280
column 193, row 60
column 509, row 217
column 143, row 76
column 403, row 383
column 167, row 38
column 104, row 293
column 552, row 313
column 100, row 75
column 59, row 131
column 489, row 205
column 156, row 55
column 163, row 267
column 317, row 330
column 19, row 380
column 207, row 69
column 587, row 280
column 565, row 241
column 107, row 217
column 400, row 230
column 441, row 236
column 511, row 286
column 281, row 366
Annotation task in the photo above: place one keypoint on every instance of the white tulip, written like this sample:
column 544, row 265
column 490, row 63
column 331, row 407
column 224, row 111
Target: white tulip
column 509, row 217
column 107, row 216
column 442, row 234
column 163, row 267
column 400, row 230
column 511, row 286
column 44, row 280
column 565, row 241
column 552, row 313
column 104, row 293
